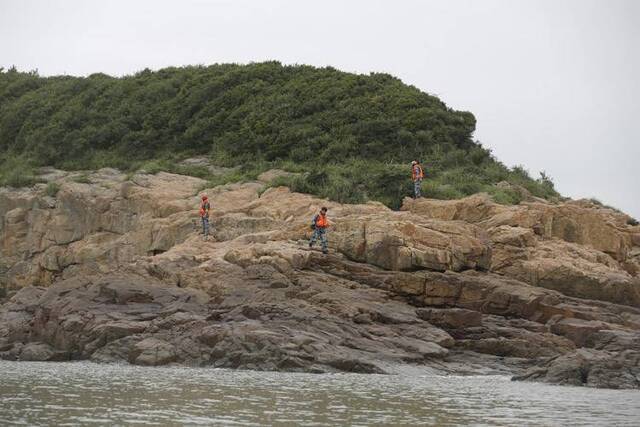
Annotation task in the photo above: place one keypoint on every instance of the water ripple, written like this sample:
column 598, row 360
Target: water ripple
column 33, row 393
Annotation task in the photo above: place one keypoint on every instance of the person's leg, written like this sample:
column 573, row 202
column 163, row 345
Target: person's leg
column 323, row 240
column 205, row 226
column 314, row 236
column 418, row 188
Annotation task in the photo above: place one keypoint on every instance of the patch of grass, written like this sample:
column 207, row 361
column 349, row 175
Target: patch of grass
column 357, row 181
column 602, row 205
column 505, row 196
column 436, row 190
column 52, row 189
column 291, row 166
column 262, row 190
column 542, row 187
column 231, row 177
column 83, row 178
column 361, row 180
column 19, row 179
column 171, row 166
column 17, row 172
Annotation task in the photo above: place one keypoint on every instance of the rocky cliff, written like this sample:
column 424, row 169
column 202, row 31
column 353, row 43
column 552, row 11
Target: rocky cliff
column 111, row 268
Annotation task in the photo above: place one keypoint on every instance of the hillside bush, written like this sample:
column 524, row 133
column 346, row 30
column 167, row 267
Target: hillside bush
column 353, row 136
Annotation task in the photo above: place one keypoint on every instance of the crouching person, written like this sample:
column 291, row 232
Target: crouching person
column 319, row 226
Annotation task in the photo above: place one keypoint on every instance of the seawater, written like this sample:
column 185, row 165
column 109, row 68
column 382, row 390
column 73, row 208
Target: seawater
column 83, row 393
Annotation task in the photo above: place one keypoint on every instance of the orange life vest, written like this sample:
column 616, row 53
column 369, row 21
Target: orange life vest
column 322, row 221
column 416, row 172
column 203, row 207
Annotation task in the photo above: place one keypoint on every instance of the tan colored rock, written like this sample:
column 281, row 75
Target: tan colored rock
column 577, row 248
column 399, row 242
column 472, row 209
column 574, row 222
column 569, row 268
column 128, row 278
column 512, row 236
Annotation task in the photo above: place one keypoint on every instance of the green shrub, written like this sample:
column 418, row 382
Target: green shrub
column 19, row 178
column 235, row 113
column 52, row 189
column 351, row 136
column 505, row 196
column 436, row 190
column 154, row 166
column 231, row 177
column 17, row 172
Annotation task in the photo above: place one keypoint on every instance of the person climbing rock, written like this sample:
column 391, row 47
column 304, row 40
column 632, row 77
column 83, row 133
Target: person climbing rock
column 319, row 226
column 417, row 173
column 205, row 207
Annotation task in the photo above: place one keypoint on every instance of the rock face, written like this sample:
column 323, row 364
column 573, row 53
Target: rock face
column 114, row 271
column 577, row 248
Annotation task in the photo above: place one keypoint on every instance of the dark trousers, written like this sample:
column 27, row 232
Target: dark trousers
column 205, row 225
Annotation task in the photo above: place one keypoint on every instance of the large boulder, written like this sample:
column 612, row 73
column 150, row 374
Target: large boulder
column 591, row 368
column 152, row 352
column 569, row 268
column 397, row 242
column 41, row 352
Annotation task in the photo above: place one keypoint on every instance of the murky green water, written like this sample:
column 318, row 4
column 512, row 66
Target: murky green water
column 34, row 393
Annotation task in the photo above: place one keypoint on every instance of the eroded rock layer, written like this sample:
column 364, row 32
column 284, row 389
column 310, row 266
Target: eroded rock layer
column 112, row 269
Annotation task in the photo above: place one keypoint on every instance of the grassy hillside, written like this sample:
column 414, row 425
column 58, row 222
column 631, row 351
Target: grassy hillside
column 353, row 134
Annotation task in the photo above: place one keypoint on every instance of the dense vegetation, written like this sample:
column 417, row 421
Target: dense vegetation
column 353, row 135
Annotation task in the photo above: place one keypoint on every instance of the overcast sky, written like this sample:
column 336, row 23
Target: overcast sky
column 554, row 85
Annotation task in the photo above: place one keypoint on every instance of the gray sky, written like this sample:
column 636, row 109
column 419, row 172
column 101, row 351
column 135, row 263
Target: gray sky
column 555, row 85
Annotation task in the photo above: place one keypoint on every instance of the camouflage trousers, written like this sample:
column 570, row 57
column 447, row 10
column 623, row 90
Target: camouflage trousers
column 417, row 188
column 320, row 233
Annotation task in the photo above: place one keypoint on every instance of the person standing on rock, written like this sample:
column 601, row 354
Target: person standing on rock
column 205, row 207
column 417, row 174
column 319, row 226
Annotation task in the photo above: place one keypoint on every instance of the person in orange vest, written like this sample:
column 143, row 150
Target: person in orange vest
column 319, row 226
column 417, row 173
column 205, row 207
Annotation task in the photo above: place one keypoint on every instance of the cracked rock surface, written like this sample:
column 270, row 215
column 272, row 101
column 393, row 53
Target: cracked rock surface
column 114, row 270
